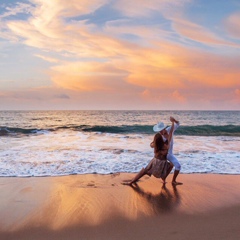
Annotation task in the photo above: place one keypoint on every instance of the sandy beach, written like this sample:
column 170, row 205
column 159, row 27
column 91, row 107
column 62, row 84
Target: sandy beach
column 93, row 206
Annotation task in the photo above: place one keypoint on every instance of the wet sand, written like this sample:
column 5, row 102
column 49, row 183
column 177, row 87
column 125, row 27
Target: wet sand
column 206, row 206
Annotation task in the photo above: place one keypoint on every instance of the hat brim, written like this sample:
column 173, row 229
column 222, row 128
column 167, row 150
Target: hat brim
column 158, row 129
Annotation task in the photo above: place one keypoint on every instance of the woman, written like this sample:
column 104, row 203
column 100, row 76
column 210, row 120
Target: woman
column 159, row 167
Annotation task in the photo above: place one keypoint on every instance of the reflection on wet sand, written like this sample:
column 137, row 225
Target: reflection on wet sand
column 93, row 200
column 164, row 201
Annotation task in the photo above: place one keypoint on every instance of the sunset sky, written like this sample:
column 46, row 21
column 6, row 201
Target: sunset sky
column 120, row 54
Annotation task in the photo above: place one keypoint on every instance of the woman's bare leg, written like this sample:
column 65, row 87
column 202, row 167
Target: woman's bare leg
column 137, row 177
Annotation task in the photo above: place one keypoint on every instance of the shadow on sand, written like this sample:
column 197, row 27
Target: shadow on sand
column 164, row 201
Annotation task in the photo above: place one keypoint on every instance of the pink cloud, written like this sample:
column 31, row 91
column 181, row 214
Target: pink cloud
column 232, row 25
column 198, row 33
column 178, row 97
column 237, row 93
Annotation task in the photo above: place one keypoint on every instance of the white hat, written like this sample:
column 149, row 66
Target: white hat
column 158, row 127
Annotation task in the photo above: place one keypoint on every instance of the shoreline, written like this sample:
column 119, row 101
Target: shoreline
column 115, row 173
column 98, row 206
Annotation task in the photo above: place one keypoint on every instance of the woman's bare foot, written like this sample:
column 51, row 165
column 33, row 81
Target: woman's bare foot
column 128, row 182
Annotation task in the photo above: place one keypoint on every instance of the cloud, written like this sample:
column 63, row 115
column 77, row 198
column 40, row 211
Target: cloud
column 159, row 65
column 171, row 12
column 40, row 94
column 88, row 76
column 28, row 95
column 77, row 38
column 237, row 93
column 178, row 97
column 232, row 25
column 173, row 66
column 16, row 9
column 49, row 10
column 145, row 8
column 48, row 59
column 142, row 35
column 151, row 96
column 49, row 29
column 62, row 96
column 48, row 26
column 198, row 33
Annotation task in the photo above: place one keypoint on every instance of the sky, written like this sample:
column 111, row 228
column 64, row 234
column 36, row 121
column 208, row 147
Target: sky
column 120, row 55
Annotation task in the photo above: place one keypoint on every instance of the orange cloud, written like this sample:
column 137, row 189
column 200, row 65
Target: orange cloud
column 154, row 67
column 48, row 59
column 67, row 8
column 164, row 97
column 150, row 96
column 88, row 76
column 178, row 67
column 165, row 72
column 178, row 97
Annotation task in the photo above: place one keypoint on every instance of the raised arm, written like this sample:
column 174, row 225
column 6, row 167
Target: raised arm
column 173, row 119
column 171, row 130
column 175, row 126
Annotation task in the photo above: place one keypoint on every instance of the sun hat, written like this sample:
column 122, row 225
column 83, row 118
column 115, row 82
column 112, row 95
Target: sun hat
column 159, row 127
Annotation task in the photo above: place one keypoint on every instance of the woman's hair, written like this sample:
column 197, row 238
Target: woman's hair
column 158, row 142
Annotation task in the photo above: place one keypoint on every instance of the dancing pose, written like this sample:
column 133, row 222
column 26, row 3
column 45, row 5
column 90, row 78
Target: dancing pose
column 170, row 156
column 159, row 167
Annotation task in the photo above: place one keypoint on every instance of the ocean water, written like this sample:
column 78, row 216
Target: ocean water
column 53, row 143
